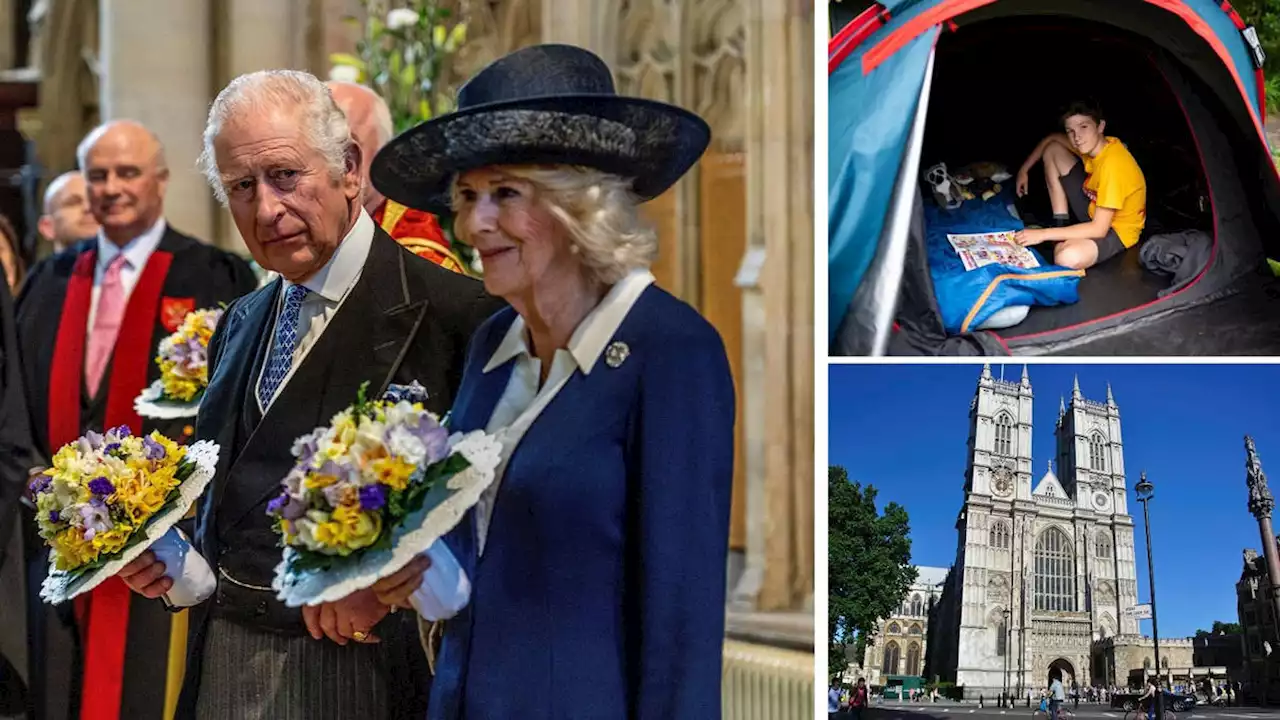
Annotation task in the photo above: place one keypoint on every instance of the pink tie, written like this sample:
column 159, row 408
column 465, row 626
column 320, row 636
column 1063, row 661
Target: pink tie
column 106, row 324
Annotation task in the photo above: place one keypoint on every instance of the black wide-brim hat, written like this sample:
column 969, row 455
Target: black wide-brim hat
column 545, row 104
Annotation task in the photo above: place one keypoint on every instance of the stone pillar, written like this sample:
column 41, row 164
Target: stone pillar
column 779, row 319
column 580, row 22
column 157, row 69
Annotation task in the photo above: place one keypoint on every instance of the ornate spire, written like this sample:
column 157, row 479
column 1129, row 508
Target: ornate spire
column 986, row 371
column 1026, row 379
column 1062, row 406
column 1261, row 501
column 1075, row 389
column 1110, row 399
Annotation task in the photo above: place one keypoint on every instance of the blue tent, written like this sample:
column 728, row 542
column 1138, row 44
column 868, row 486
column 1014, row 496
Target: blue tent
column 909, row 77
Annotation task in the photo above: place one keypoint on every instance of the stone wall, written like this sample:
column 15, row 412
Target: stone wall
column 1130, row 653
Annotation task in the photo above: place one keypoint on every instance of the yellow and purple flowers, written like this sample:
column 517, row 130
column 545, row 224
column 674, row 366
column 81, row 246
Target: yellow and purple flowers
column 358, row 478
column 184, row 357
column 102, row 490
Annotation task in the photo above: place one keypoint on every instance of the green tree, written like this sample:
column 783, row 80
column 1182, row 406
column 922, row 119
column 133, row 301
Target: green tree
column 868, row 564
column 1221, row 628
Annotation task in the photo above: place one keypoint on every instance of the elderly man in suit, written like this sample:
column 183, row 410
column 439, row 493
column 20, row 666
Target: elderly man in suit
column 350, row 307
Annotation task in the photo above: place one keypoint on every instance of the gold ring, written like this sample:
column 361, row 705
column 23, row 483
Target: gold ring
column 359, row 635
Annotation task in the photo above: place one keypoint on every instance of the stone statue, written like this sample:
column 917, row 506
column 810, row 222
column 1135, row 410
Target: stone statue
column 1261, row 501
column 36, row 26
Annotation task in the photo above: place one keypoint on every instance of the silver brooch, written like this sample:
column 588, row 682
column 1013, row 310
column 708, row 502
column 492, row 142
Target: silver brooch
column 616, row 354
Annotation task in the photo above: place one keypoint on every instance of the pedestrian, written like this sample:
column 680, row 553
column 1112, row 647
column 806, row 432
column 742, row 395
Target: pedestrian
column 1056, row 695
column 833, row 699
column 858, row 701
column 1075, row 695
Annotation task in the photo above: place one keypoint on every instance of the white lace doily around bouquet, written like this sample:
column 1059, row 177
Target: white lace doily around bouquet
column 442, row 509
column 151, row 403
column 60, row 586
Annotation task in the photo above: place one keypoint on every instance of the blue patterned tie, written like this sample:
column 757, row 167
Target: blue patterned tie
column 282, row 345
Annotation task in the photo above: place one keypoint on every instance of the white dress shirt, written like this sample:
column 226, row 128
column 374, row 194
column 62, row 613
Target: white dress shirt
column 329, row 288
column 136, row 252
column 522, row 401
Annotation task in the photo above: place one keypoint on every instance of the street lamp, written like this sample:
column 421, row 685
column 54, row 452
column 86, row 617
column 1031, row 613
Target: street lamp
column 1007, row 637
column 1146, row 491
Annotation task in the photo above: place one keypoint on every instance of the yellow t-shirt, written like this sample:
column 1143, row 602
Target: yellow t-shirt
column 1114, row 180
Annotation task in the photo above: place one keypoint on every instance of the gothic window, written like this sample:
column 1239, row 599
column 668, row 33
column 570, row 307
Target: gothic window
column 1004, row 435
column 1055, row 572
column 894, row 629
column 890, row 659
column 913, row 659
column 1104, row 546
column 915, row 630
column 917, row 606
column 1164, row 663
column 1002, row 639
column 1097, row 453
column 1146, row 663
column 999, row 536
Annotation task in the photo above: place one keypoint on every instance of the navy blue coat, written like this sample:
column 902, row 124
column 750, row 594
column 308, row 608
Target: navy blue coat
column 601, row 592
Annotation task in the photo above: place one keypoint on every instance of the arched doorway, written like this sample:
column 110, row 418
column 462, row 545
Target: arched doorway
column 1062, row 669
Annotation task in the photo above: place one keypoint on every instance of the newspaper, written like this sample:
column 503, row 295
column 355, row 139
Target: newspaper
column 979, row 249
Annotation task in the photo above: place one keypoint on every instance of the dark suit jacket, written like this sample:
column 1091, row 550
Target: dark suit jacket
column 602, row 586
column 404, row 320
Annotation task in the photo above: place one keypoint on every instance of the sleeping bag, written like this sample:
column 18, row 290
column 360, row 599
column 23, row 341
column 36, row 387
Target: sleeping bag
column 969, row 298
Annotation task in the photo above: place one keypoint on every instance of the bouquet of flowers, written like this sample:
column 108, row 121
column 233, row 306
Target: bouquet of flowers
column 184, row 369
column 108, row 497
column 370, row 492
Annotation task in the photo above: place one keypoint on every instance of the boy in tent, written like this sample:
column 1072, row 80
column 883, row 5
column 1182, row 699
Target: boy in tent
column 1097, row 190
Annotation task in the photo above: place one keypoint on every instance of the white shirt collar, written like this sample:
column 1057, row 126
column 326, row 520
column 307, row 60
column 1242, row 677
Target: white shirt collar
column 592, row 334
column 136, row 251
column 340, row 273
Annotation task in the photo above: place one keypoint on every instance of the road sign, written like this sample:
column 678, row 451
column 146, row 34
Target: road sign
column 1139, row 612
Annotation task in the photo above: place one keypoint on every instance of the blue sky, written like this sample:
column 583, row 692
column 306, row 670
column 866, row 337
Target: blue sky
column 903, row 429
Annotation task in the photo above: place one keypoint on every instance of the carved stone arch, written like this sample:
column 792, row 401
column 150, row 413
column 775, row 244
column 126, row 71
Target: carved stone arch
column 1103, row 547
column 717, row 37
column 493, row 30
column 648, row 41
column 1106, row 626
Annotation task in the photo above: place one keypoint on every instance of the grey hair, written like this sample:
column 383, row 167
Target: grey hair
column 87, row 143
column 324, row 125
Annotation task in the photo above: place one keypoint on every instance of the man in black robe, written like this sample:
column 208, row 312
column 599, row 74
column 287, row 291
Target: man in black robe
column 90, row 320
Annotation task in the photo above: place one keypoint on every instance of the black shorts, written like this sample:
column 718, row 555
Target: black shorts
column 1073, row 183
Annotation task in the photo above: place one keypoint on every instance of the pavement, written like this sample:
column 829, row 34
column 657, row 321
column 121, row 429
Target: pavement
column 970, row 711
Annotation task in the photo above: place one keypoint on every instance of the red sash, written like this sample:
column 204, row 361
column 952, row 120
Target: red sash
column 106, row 609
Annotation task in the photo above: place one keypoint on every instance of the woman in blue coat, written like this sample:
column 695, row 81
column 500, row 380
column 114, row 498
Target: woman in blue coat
column 593, row 571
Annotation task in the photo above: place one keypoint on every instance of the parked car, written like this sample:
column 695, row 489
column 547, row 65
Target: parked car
column 1176, row 702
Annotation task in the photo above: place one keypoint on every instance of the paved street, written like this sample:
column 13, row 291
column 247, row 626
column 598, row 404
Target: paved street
column 970, row 711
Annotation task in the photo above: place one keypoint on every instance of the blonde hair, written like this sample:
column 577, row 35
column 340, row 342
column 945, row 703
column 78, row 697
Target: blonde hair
column 597, row 209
